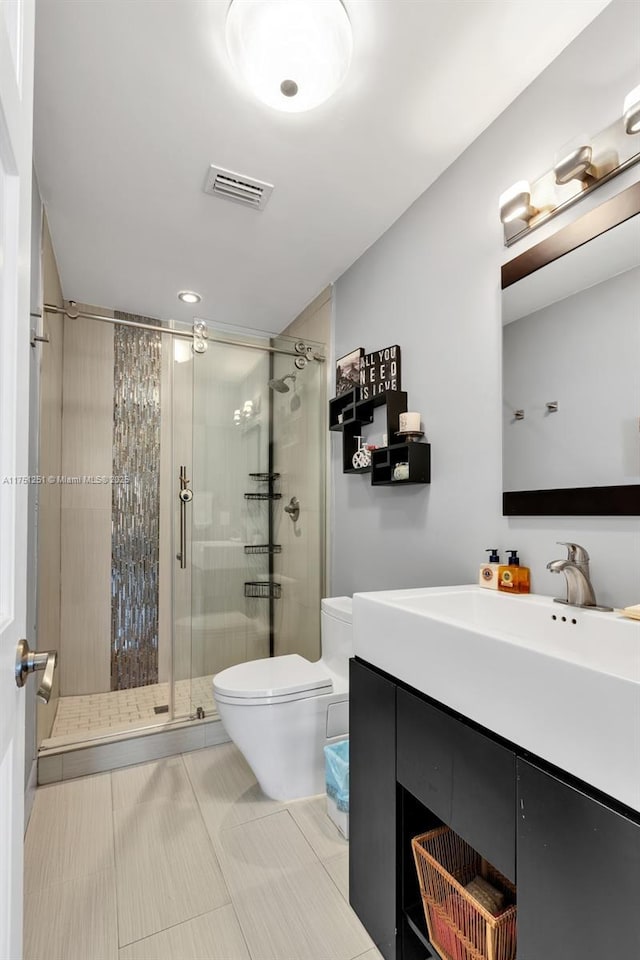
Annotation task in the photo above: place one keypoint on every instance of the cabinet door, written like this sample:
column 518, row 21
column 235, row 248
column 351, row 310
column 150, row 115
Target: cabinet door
column 465, row 778
column 578, row 873
column 372, row 805
column 426, row 748
column 484, row 798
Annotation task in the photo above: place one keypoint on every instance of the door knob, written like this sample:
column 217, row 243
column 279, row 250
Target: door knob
column 30, row 661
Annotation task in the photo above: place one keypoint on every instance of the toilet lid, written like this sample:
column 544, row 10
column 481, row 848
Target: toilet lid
column 273, row 677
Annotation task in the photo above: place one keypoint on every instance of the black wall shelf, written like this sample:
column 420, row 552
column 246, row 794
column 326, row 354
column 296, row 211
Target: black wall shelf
column 416, row 455
column 356, row 413
column 263, row 496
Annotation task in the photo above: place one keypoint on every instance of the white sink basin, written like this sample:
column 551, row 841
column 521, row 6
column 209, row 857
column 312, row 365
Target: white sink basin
column 568, row 690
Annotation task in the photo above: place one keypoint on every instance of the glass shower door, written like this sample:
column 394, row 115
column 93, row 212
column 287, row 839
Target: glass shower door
column 230, row 516
column 252, row 583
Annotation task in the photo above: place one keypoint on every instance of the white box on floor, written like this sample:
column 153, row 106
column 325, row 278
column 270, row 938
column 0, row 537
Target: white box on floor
column 339, row 817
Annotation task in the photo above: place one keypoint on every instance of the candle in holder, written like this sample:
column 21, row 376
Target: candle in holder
column 409, row 423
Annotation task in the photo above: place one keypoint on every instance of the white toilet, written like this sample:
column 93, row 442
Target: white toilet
column 280, row 712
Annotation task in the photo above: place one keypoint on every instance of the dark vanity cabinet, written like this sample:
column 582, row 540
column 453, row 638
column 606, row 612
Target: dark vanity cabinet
column 578, row 873
column 455, row 772
column 372, row 804
column 415, row 764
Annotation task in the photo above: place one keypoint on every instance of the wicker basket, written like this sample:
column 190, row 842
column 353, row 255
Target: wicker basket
column 459, row 927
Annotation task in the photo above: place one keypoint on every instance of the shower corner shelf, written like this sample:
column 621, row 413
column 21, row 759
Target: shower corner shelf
column 256, row 548
column 265, row 477
column 263, row 496
column 263, row 589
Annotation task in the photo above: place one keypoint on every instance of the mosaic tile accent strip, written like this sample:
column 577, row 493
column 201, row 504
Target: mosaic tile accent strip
column 135, row 512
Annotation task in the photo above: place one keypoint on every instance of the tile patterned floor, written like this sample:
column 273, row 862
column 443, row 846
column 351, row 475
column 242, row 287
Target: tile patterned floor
column 185, row 859
column 96, row 713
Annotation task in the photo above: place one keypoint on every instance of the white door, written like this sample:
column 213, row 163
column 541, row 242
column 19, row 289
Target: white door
column 16, row 105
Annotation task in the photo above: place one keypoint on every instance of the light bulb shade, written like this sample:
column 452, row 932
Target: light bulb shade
column 292, row 54
column 631, row 111
column 574, row 165
column 515, row 203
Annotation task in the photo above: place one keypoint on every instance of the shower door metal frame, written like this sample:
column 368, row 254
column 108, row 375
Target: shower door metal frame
column 200, row 329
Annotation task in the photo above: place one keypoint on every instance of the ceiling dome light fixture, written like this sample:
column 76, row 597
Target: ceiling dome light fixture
column 292, row 54
column 188, row 296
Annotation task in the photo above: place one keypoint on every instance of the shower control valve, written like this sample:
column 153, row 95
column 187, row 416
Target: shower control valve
column 293, row 509
column 186, row 496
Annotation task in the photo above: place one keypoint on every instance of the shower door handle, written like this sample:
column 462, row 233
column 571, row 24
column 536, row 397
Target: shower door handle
column 185, row 496
column 31, row 661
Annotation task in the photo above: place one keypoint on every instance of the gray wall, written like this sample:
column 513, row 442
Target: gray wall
column 432, row 284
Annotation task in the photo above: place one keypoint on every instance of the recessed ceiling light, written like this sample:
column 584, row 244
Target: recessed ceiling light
column 293, row 54
column 188, row 296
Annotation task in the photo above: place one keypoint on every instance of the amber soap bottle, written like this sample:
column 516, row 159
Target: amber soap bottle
column 512, row 578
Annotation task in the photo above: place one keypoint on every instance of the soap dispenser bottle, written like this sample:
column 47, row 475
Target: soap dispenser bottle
column 512, row 578
column 488, row 576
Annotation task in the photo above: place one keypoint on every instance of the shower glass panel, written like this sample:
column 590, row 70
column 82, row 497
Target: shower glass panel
column 104, row 577
column 255, row 577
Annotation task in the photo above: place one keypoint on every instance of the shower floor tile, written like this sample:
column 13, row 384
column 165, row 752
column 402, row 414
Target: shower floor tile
column 126, row 709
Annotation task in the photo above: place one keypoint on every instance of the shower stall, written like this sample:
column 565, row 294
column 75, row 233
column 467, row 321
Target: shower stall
column 189, row 501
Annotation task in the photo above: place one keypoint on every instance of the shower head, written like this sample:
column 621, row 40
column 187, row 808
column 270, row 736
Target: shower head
column 280, row 385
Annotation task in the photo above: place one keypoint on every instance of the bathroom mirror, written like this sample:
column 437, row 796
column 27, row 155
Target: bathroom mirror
column 571, row 368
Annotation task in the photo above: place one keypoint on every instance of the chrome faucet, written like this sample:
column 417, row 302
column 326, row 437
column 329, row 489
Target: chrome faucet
column 580, row 591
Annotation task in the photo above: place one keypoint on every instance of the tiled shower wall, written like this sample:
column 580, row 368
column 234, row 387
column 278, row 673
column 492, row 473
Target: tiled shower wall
column 85, row 555
column 109, row 558
column 300, row 429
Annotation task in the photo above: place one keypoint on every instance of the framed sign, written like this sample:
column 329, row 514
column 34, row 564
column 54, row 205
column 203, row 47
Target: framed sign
column 379, row 372
column 348, row 371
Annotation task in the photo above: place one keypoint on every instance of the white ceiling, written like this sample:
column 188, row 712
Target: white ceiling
column 135, row 98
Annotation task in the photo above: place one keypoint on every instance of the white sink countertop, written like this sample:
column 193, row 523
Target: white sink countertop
column 560, row 681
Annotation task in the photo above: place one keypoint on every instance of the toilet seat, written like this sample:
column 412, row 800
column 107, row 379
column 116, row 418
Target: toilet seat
column 272, row 680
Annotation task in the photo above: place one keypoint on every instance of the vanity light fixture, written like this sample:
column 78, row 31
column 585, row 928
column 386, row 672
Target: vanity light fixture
column 580, row 167
column 631, row 111
column 188, row 296
column 292, row 54
column 515, row 203
column 574, row 163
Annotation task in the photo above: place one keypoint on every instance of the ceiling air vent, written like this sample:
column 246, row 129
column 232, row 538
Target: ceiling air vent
column 234, row 186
